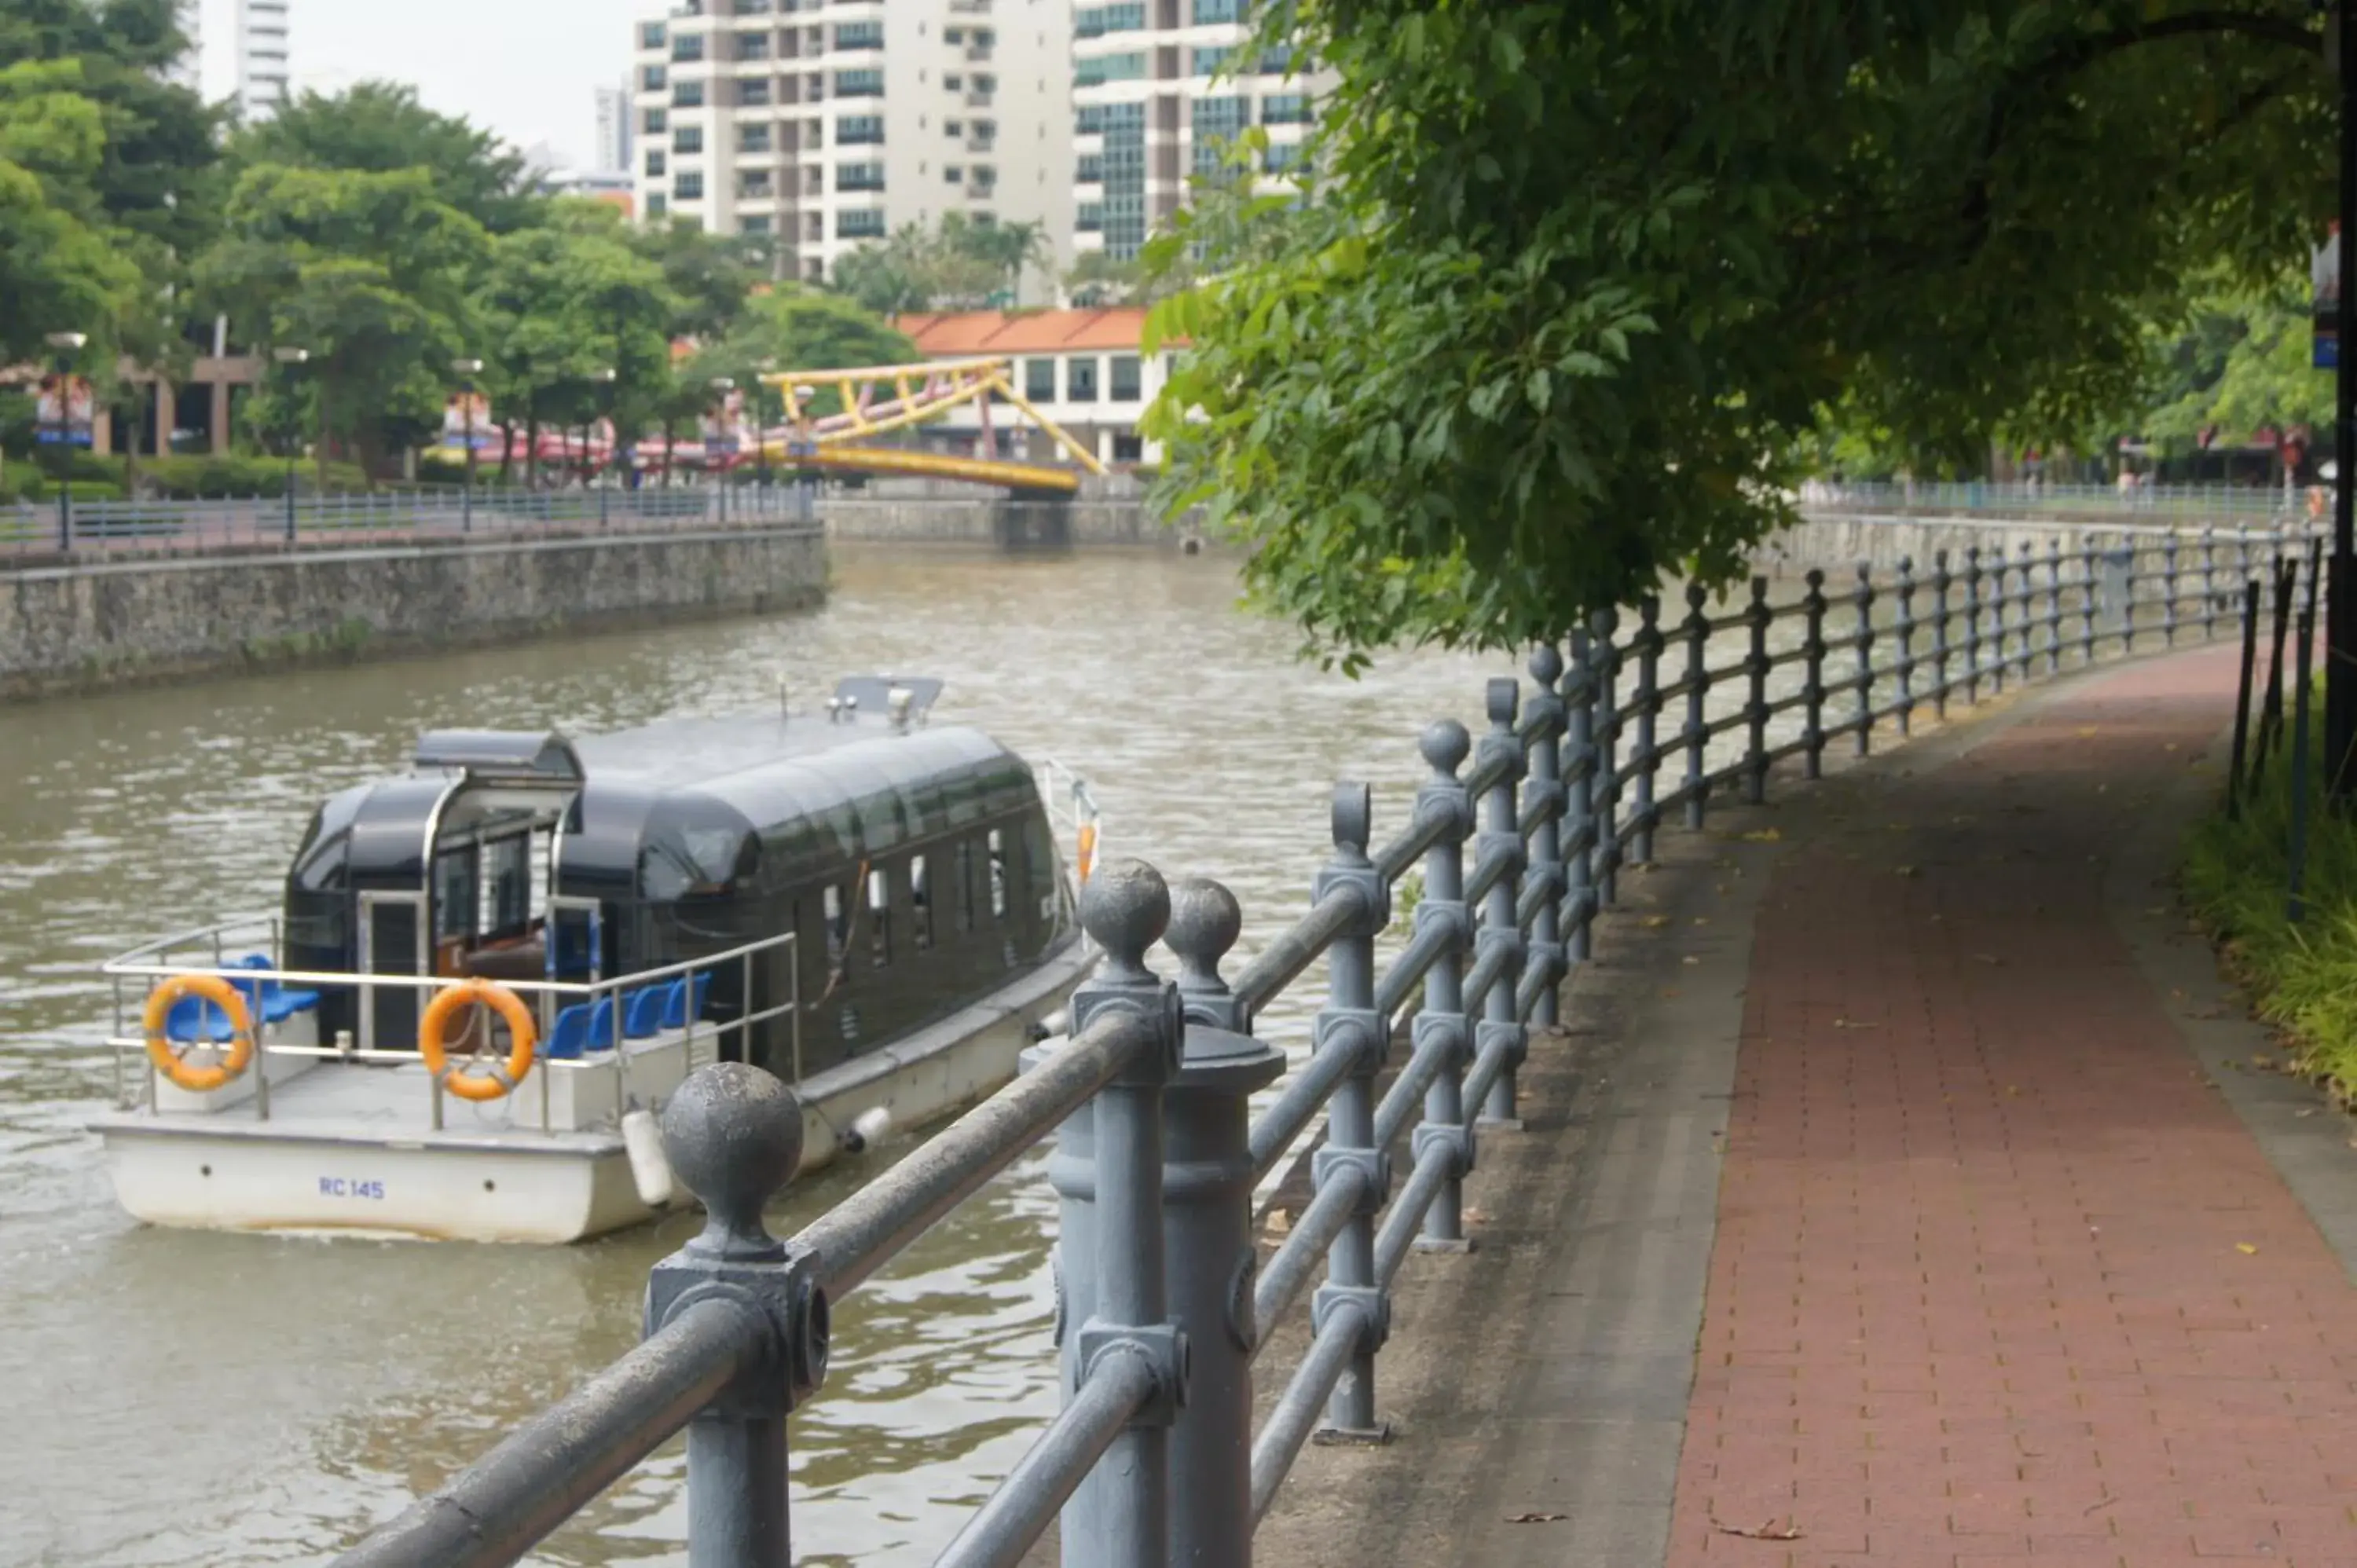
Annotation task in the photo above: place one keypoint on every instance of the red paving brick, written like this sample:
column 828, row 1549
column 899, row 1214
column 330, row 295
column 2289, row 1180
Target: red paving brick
column 1997, row 1275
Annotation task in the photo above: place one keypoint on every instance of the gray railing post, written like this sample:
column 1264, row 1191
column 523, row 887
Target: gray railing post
column 2127, row 596
column 2001, row 599
column 1207, row 1231
column 1813, row 695
column 1864, row 600
column 1501, row 836
column 2026, row 647
column 1604, row 664
column 733, row 1134
column 2087, row 597
column 1695, row 629
column 1543, row 784
column 2209, row 582
column 1579, row 809
column 2054, row 605
column 2169, row 589
column 1971, row 624
column 1648, row 705
column 1441, row 1027
column 1350, row 1115
column 1903, row 629
column 1110, row 1279
column 1755, row 772
column 1939, row 581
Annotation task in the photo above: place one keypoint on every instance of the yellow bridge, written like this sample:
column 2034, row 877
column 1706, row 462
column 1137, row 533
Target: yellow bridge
column 880, row 399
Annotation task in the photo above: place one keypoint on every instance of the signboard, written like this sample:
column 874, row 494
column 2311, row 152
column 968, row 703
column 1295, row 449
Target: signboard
column 66, row 411
column 467, row 416
column 2324, row 283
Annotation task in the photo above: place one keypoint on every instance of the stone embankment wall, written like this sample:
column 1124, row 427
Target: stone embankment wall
column 1837, row 543
column 1111, row 510
column 113, row 619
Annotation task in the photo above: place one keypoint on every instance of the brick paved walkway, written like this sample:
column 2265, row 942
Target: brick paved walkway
column 1997, row 1274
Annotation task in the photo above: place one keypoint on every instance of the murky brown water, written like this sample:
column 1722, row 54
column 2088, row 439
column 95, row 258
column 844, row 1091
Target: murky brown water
column 183, row 1399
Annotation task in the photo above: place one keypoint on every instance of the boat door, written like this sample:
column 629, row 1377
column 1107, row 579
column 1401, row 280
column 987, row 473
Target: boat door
column 393, row 941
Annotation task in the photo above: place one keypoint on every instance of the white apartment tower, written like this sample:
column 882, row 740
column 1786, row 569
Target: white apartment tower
column 261, row 75
column 1157, row 85
column 615, row 118
column 830, row 126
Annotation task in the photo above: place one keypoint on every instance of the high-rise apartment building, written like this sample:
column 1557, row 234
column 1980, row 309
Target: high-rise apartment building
column 615, row 118
column 833, row 125
column 262, row 82
column 1158, row 87
column 189, row 70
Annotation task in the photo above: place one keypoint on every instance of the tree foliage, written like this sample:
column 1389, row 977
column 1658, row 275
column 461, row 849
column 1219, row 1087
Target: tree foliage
column 1575, row 288
column 957, row 264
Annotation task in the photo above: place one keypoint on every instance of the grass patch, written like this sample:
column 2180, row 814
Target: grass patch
column 2302, row 978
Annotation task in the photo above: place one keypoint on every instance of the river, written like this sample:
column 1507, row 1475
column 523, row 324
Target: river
column 178, row 1398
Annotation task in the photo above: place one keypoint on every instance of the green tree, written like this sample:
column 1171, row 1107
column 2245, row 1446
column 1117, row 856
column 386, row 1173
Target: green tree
column 1572, row 289
column 2243, row 362
column 1096, row 279
column 369, row 272
column 799, row 329
column 60, row 270
column 380, row 127
column 712, row 276
column 956, row 264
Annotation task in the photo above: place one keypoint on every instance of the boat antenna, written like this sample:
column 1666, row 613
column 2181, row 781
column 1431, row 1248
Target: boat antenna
column 835, row 710
column 899, row 701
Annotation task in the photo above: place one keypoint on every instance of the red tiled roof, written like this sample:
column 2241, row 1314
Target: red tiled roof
column 941, row 334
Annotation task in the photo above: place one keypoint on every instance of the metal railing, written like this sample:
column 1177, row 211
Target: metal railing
column 2030, row 497
column 1164, row 1302
column 34, row 532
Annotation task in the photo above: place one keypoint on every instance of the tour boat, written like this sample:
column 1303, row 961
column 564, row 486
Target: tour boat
column 489, row 971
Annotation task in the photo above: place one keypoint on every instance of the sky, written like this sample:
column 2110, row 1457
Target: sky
column 525, row 70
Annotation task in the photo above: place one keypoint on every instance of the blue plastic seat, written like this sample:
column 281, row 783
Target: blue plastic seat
column 679, row 1006
column 643, row 1012
column 599, row 1035
column 571, row 1033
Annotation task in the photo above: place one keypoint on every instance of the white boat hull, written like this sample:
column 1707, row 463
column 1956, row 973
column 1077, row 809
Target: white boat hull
column 228, row 1169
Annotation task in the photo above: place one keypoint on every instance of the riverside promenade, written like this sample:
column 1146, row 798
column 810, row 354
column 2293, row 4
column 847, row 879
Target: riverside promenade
column 1908, row 1195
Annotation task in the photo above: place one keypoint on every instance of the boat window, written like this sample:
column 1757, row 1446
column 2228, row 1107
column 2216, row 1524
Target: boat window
column 454, row 892
column 966, row 885
column 832, row 898
column 880, row 911
column 507, row 885
column 921, row 905
column 1040, row 863
column 998, row 875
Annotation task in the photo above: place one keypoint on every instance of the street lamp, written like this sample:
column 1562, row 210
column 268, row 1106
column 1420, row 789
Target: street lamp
column 724, row 385
column 469, row 369
column 762, row 427
column 65, row 346
column 605, row 380
column 293, row 359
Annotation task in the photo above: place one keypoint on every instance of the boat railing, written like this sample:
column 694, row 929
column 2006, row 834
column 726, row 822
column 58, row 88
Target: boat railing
column 1072, row 808
column 604, row 1000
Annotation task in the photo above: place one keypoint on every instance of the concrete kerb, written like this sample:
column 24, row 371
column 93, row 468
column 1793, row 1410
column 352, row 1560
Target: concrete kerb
column 1538, row 1387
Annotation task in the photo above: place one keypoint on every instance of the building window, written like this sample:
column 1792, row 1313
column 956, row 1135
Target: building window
column 1128, row 448
column 651, row 79
column 754, row 223
column 1089, row 119
column 1092, row 169
column 953, row 35
column 952, row 82
column 1104, row 69
column 863, row 223
column 754, row 94
column 1122, row 215
column 859, row 84
column 953, row 129
column 656, row 164
column 1281, row 157
column 752, row 138
column 686, row 49
column 688, row 185
column 1284, row 109
column 657, row 204
column 859, row 177
column 1208, row 62
column 1080, row 379
column 687, row 139
column 1125, row 378
column 756, row 8
column 1089, row 219
column 650, row 35
column 754, row 185
column 1277, row 61
column 752, row 46
column 687, row 95
column 1096, row 21
column 657, row 121
column 879, row 912
column 953, row 174
column 985, row 180
column 1039, row 380
column 859, row 36
column 920, row 903
column 860, row 128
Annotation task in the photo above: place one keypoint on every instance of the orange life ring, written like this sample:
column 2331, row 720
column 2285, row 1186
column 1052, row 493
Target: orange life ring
column 171, row 1063
column 502, row 1080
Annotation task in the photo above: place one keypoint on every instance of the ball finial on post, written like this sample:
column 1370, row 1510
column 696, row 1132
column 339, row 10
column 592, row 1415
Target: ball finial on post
column 1445, row 744
column 1547, row 665
column 1205, row 921
column 1125, row 909
column 733, row 1134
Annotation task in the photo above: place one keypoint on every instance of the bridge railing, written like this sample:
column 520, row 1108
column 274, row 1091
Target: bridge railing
column 1164, row 1302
